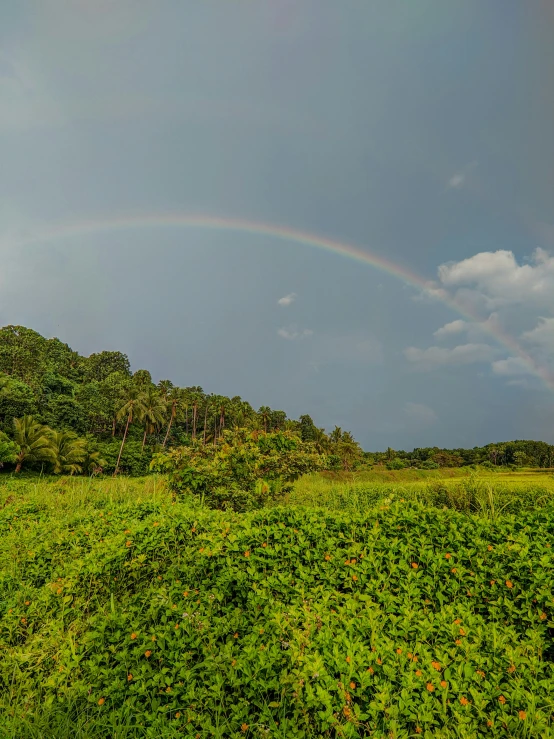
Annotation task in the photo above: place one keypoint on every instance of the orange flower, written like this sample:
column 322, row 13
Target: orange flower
column 489, row 723
column 418, row 730
column 501, row 699
column 522, row 715
column 133, row 635
column 178, row 714
column 399, row 651
column 430, row 687
column 370, row 670
column 512, row 668
column 443, row 684
column 247, row 553
column 235, row 636
column 379, row 661
column 186, row 593
column 153, row 638
column 233, row 663
column 156, row 523
column 542, row 616
column 176, row 626
column 244, row 727
column 489, row 548
column 264, row 544
column 349, row 659
column 447, row 555
column 454, row 570
column 101, row 701
column 352, row 686
column 354, row 577
column 418, row 673
column 409, row 655
column 462, row 632
column 129, row 677
column 492, row 582
column 480, row 673
column 23, row 620
column 509, row 584
column 415, row 565
column 436, row 665
column 127, row 531
column 464, row 701
column 128, row 543
column 28, row 603
column 458, row 642
column 327, row 557
column 457, row 621
column 148, row 654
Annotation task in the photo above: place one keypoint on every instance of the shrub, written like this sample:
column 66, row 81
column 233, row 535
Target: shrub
column 243, row 471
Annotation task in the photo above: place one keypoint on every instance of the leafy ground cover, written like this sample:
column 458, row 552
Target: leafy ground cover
column 124, row 613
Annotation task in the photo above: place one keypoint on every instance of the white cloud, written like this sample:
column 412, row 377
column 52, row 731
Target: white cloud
column 542, row 335
column 449, row 329
column 510, row 367
column 438, row 356
column 497, row 280
column 456, row 180
column 291, row 333
column 420, row 413
column 287, row 300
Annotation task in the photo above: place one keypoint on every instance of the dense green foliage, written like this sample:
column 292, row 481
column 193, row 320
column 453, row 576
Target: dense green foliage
column 127, row 614
column 246, row 470
column 123, row 418
column 506, row 454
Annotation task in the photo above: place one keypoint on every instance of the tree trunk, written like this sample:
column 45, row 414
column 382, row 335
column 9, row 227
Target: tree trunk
column 144, row 439
column 194, row 412
column 205, row 422
column 122, row 445
column 168, row 430
column 187, row 419
column 18, row 467
column 113, row 426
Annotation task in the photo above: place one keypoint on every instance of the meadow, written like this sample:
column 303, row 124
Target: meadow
column 384, row 604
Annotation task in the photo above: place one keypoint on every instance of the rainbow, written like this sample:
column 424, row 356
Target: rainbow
column 207, row 222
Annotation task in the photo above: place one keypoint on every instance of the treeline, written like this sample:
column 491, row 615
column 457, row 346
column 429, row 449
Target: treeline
column 67, row 413
column 505, row 454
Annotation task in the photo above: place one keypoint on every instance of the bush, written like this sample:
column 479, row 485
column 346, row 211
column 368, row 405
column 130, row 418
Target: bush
column 396, row 464
column 242, row 472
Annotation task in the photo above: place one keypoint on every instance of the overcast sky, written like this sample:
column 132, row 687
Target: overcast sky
column 418, row 131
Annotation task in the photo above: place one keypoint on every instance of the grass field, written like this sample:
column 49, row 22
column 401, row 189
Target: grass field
column 393, row 604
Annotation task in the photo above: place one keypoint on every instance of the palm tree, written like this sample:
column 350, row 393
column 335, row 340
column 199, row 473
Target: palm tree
column 132, row 405
column 153, row 412
column 34, row 441
column 265, row 414
column 69, row 452
column 175, row 402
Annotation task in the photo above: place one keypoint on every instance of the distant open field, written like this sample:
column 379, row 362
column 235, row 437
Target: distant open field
column 390, row 604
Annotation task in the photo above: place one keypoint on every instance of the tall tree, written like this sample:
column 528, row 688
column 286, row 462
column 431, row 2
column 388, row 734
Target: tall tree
column 153, row 413
column 175, row 402
column 131, row 406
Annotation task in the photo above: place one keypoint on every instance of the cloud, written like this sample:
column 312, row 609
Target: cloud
column 287, row 300
column 291, row 333
column 510, row 367
column 449, row 329
column 497, row 280
column 421, row 413
column 542, row 335
column 438, row 356
column 456, row 180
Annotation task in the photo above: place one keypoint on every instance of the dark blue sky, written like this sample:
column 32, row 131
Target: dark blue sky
column 419, row 131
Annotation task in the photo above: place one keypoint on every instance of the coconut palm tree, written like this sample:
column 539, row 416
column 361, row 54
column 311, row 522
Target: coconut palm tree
column 131, row 406
column 34, row 441
column 153, row 412
column 176, row 403
column 69, row 452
